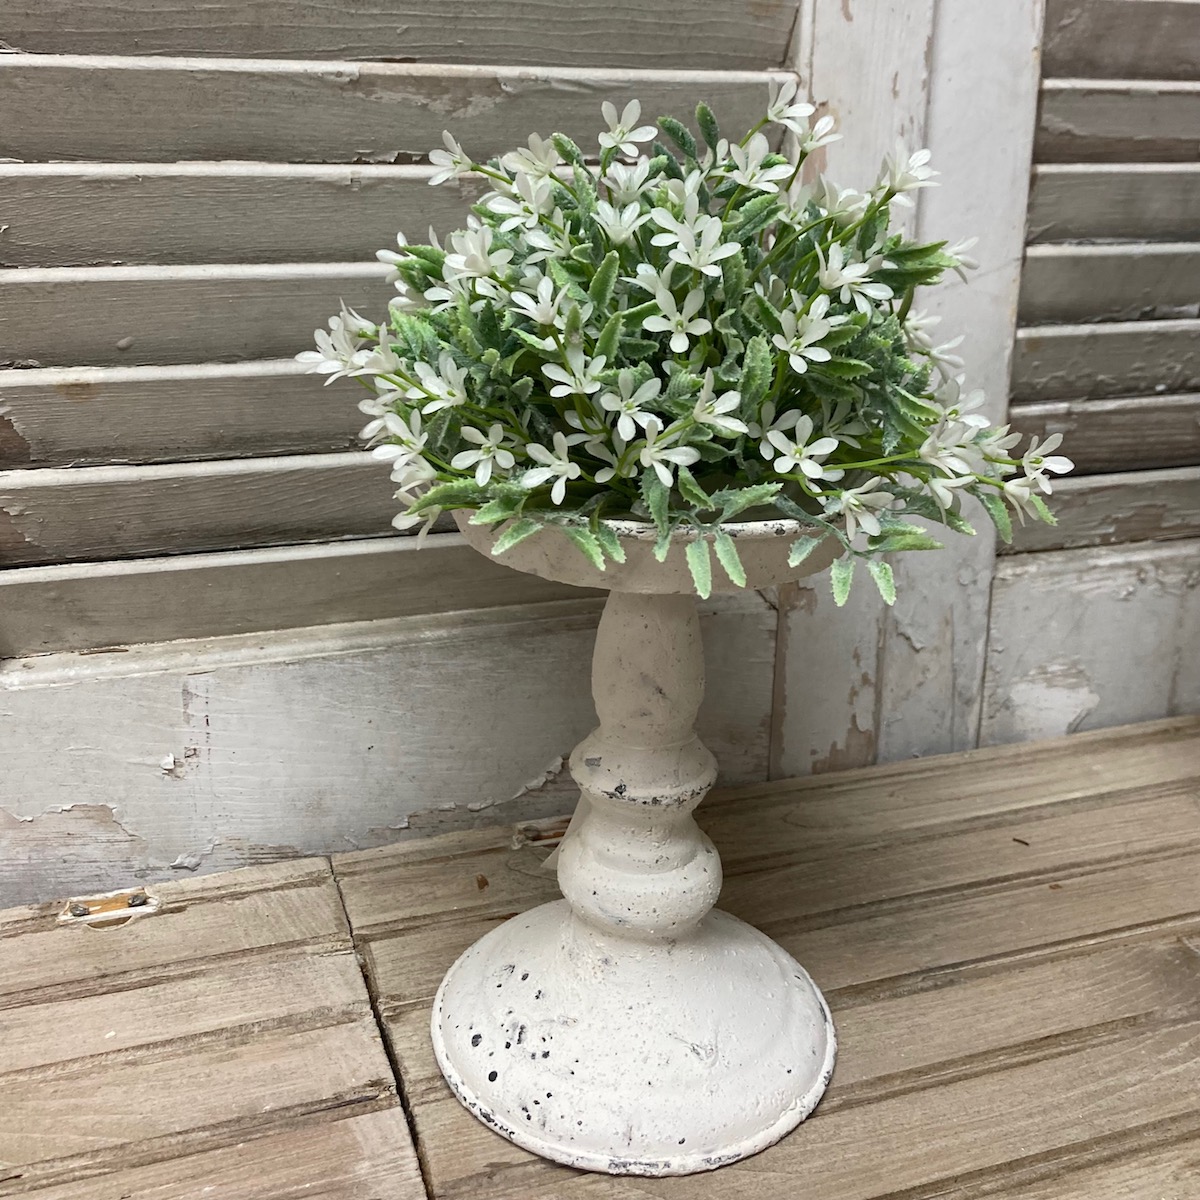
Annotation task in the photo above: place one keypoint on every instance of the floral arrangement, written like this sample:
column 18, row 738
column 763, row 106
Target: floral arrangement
column 684, row 337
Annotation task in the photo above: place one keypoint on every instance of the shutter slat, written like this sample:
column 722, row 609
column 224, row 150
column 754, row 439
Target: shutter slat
column 1107, row 282
column 1122, row 39
column 165, row 109
column 1143, row 201
column 1118, row 359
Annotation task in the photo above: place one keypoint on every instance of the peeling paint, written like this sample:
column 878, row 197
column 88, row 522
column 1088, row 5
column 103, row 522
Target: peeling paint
column 14, row 448
column 856, row 750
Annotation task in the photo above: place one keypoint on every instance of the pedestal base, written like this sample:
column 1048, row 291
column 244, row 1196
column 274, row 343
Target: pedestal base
column 633, row 1057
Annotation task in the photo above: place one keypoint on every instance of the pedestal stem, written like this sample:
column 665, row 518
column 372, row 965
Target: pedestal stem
column 638, row 864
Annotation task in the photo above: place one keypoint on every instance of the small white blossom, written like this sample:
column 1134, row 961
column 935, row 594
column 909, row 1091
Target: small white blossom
column 660, row 452
column 675, row 229
column 489, row 451
column 955, row 406
column 714, row 410
column 851, row 280
column 624, row 133
column 392, row 259
column 784, row 109
column 950, row 448
column 963, row 261
column 821, row 134
column 705, row 254
column 543, row 306
column 680, row 322
column 619, row 466
column 860, row 506
column 529, row 201
column 339, row 352
column 578, row 377
column 942, row 488
column 556, row 465
column 843, row 205
column 407, row 441
column 445, row 387
column 903, row 172
column 749, row 170
column 1036, row 461
column 551, row 239
column 620, row 224
column 797, row 453
column 627, row 403
column 766, row 422
column 626, row 183
column 452, row 162
column 471, row 253
column 802, row 332
column 539, row 160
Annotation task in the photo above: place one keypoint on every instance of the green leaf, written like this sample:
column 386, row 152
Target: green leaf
column 730, row 560
column 568, row 150
column 802, row 547
column 708, row 125
column 635, row 316
column 761, row 313
column 635, row 349
column 900, row 536
column 754, row 217
column 699, row 562
column 465, row 493
column 502, row 508
column 657, row 499
column 733, row 277
column 600, row 290
column 662, row 547
column 610, row 543
column 679, row 134
column 736, row 500
column 518, row 531
column 588, row 542
column 609, row 339
column 1039, row 507
column 840, row 576
column 692, row 491
column 997, row 510
column 881, row 572
column 844, row 368
column 756, row 373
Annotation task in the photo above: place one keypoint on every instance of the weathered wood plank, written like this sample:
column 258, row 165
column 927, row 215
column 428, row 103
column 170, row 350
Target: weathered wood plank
column 1065, row 283
column 1098, row 510
column 88, row 214
column 625, row 33
column 1129, row 434
column 129, row 109
column 91, row 605
column 1122, row 39
column 1084, row 120
column 348, row 1159
column 85, row 416
column 188, row 314
column 1133, row 654
column 1129, row 358
column 1140, row 201
column 63, row 514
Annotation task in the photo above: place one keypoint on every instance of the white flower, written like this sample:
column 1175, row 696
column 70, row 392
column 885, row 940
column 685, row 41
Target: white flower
column 382, row 359
column 578, row 378
column 714, row 410
column 393, row 259
column 851, row 278
column 917, row 326
column 681, row 322
column 624, row 134
column 705, row 254
column 786, row 110
column 539, row 160
column 859, row 505
column 821, row 134
column 627, row 403
column 661, row 454
column 798, row 454
column 556, row 465
column 619, row 466
column 801, row 333
column 903, row 172
column 543, row 306
column 620, row 224
column 843, row 205
column 549, row 240
column 964, row 262
column 955, row 406
column 750, row 172
column 472, row 254
column 675, row 228
column 489, row 451
column 1017, row 492
column 445, row 387
column 453, row 162
column 407, row 442
column 950, row 448
column 626, row 183
column 942, row 488
column 1035, row 462
column 525, row 207
column 339, row 352
column 766, row 422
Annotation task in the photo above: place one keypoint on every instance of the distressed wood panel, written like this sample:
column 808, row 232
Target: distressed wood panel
column 1097, row 510
column 210, row 754
column 1115, row 283
column 129, row 109
column 740, row 34
column 1122, row 39
column 89, row 214
column 87, row 606
column 99, row 316
column 183, row 1032
column 1128, row 358
column 85, row 416
column 1129, row 652
column 1129, row 434
column 66, row 514
column 1085, row 120
column 1140, row 201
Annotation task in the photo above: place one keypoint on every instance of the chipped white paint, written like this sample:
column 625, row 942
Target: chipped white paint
column 630, row 1028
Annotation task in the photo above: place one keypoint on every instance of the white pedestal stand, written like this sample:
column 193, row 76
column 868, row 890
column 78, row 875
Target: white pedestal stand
column 630, row 1027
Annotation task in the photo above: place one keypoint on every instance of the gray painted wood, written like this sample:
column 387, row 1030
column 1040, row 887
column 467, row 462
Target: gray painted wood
column 84, row 416
column 745, row 34
column 1129, row 654
column 1067, row 283
column 1122, row 39
column 92, row 214
column 87, row 606
column 1128, row 358
column 1139, row 201
column 68, row 514
column 101, row 316
column 128, row 109
column 1127, row 434
column 1083, row 120
column 1098, row 510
